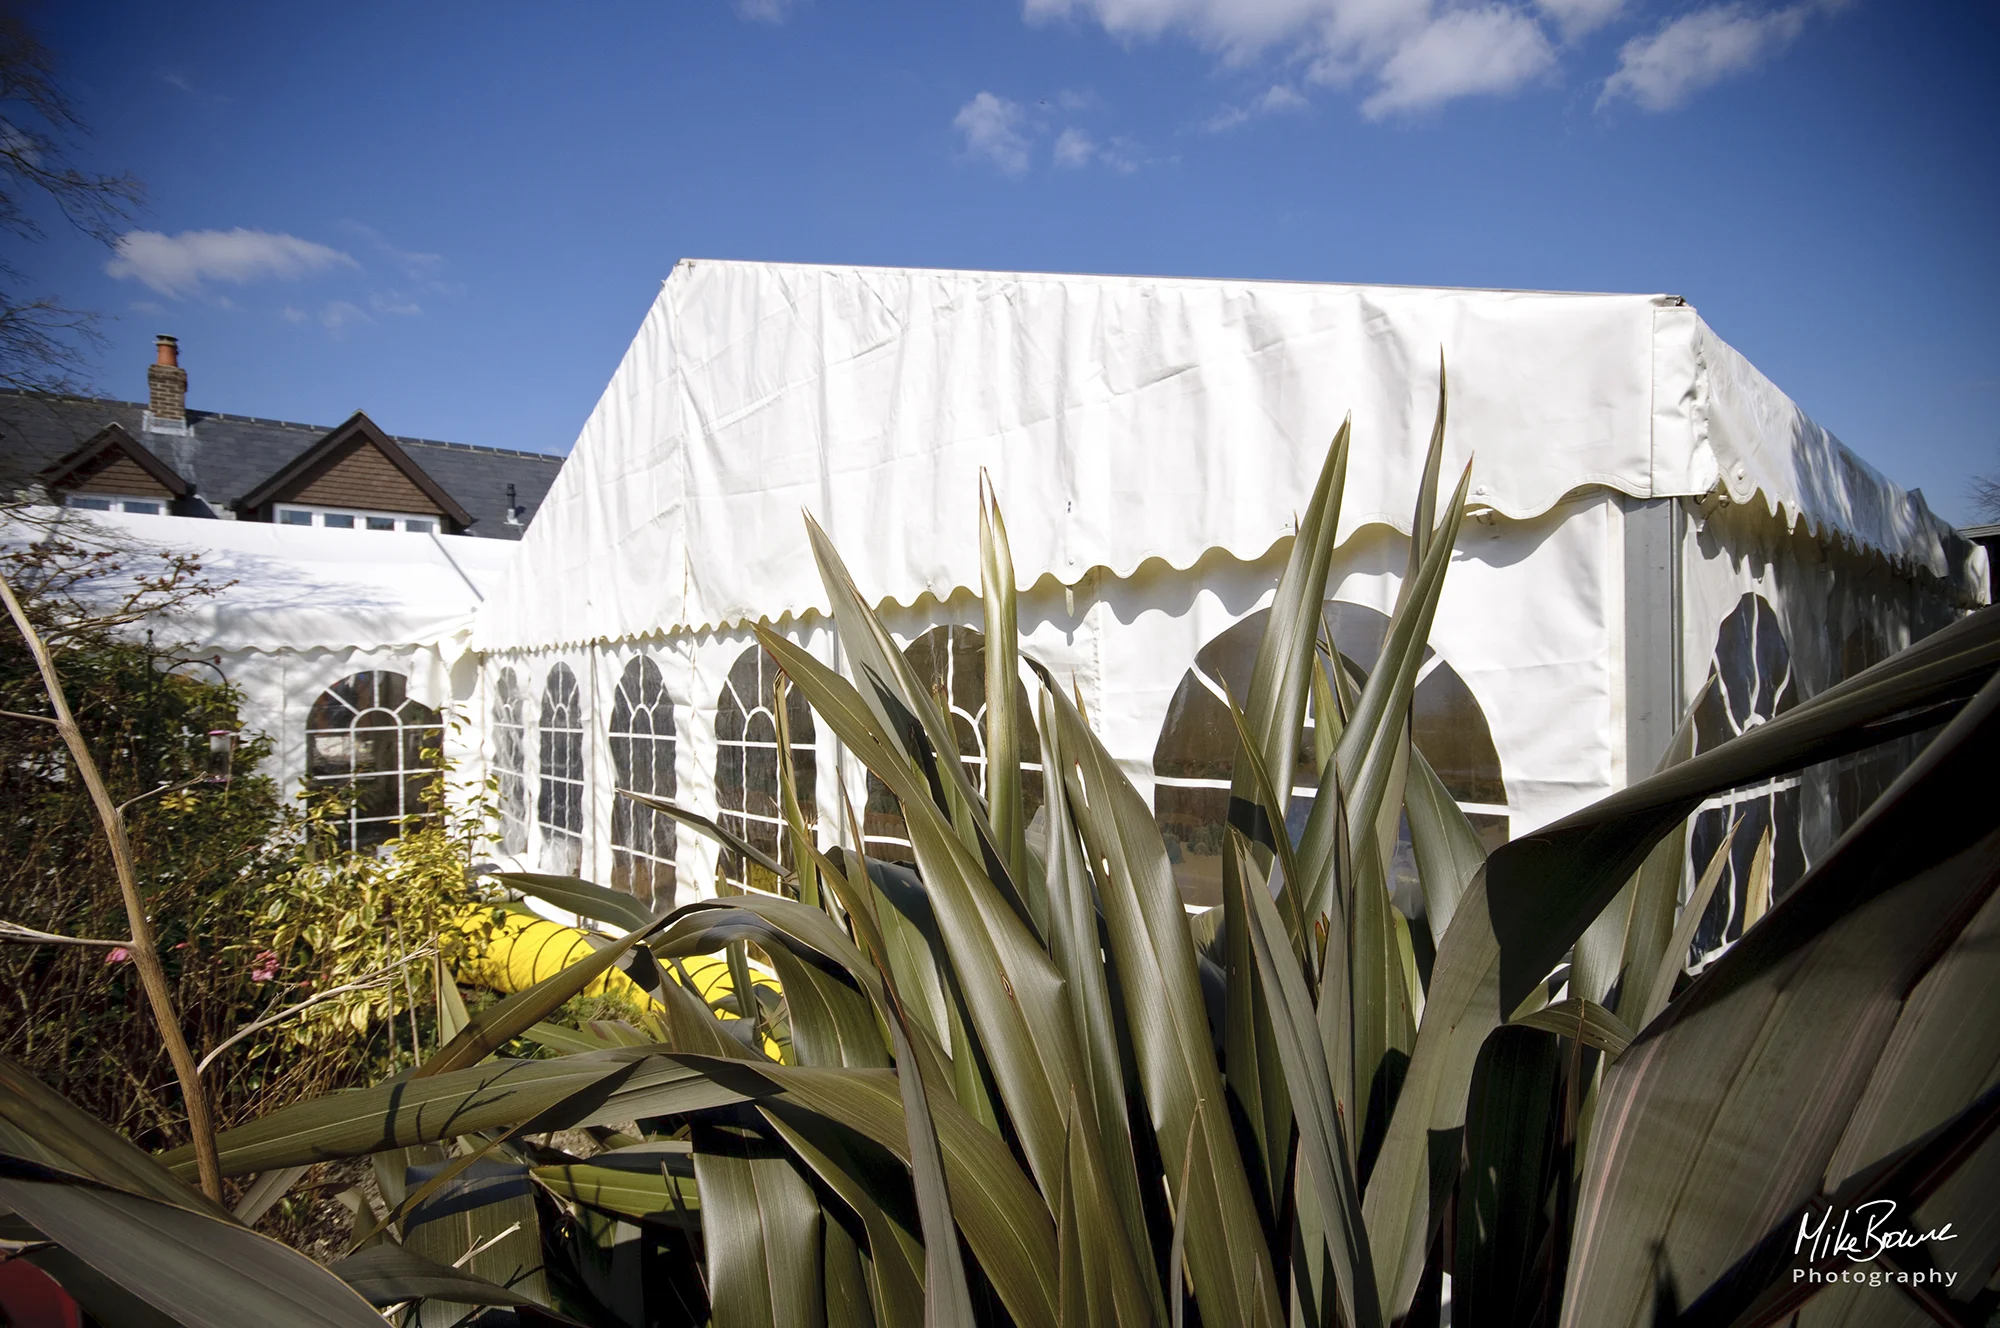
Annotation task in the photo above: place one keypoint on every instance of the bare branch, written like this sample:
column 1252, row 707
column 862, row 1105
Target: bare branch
column 14, row 931
column 381, row 977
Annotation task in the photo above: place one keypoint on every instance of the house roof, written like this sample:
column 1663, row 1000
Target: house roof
column 225, row 456
column 301, row 470
column 112, row 437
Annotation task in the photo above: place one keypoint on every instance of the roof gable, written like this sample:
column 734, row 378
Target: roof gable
column 316, row 464
column 112, row 449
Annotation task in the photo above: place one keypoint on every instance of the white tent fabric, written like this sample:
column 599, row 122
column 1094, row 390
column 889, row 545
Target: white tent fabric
column 302, row 607
column 1123, row 420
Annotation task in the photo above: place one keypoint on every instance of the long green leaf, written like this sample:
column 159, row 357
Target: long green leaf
column 1655, row 998
column 39, row 1125
column 1003, row 1217
column 1371, row 742
column 1778, row 1038
column 1581, row 1019
column 1322, row 1146
column 1004, row 803
column 1280, row 684
column 1543, row 889
column 1512, row 1130
column 760, row 1229
column 584, row 898
column 1013, row 992
column 389, row 1274
column 1765, row 1286
column 499, row 1095
column 735, row 843
column 1153, row 955
column 1447, row 849
column 1944, row 1053
column 204, row 1272
column 1078, row 953
column 896, row 1256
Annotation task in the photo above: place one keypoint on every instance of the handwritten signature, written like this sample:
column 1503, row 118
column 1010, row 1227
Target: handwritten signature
column 1865, row 1232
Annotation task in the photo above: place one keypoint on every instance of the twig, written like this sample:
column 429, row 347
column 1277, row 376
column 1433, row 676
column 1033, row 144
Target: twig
column 145, row 953
column 483, row 1246
column 164, row 788
column 15, row 714
column 378, row 978
column 14, row 931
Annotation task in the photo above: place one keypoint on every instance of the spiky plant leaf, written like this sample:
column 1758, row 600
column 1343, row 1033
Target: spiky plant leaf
column 1778, row 1038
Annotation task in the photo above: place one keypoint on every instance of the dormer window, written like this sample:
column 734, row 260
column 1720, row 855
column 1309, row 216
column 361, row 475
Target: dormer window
column 106, row 502
column 333, row 518
column 114, row 473
column 355, row 478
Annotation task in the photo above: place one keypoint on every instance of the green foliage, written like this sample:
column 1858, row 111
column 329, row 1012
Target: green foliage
column 74, row 1013
column 1024, row 1086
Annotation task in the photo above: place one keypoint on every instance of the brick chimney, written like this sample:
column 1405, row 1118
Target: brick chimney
column 167, row 384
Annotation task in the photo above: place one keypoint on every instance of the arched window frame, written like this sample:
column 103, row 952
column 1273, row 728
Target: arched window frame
column 510, row 759
column 1190, row 796
column 963, row 676
column 1751, row 665
column 746, row 764
column 559, row 769
column 641, row 733
column 366, row 734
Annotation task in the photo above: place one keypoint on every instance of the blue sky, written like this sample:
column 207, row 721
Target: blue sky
column 454, row 216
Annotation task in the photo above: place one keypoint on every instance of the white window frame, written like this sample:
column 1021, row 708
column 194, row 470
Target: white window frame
column 510, row 760
column 404, row 521
column 559, row 847
column 117, row 502
column 640, row 835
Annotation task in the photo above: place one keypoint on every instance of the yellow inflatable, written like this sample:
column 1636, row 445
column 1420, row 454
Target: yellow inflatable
column 510, row 948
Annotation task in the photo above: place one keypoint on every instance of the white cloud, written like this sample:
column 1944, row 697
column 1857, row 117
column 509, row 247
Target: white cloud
column 293, row 314
column 393, row 302
column 1280, row 98
column 1578, row 17
column 177, row 265
column 1464, row 53
column 992, row 128
column 773, row 12
column 1074, row 148
column 1661, row 71
column 339, row 314
column 1416, row 53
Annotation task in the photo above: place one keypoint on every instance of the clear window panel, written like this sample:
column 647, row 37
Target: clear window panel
column 420, row 527
column 642, row 757
column 91, row 504
column 381, row 523
column 368, row 742
column 559, row 800
column 338, row 521
column 295, row 518
column 746, row 763
column 143, row 509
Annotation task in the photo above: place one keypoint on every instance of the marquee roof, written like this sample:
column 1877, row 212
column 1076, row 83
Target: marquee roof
column 1123, row 420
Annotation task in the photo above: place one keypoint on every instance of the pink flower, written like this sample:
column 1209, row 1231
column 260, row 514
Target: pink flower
column 267, row 967
column 118, row 954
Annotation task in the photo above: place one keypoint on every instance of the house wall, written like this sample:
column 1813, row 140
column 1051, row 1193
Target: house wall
column 364, row 478
column 122, row 475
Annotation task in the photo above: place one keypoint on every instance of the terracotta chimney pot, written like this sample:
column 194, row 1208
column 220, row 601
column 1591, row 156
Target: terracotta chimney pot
column 166, row 384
